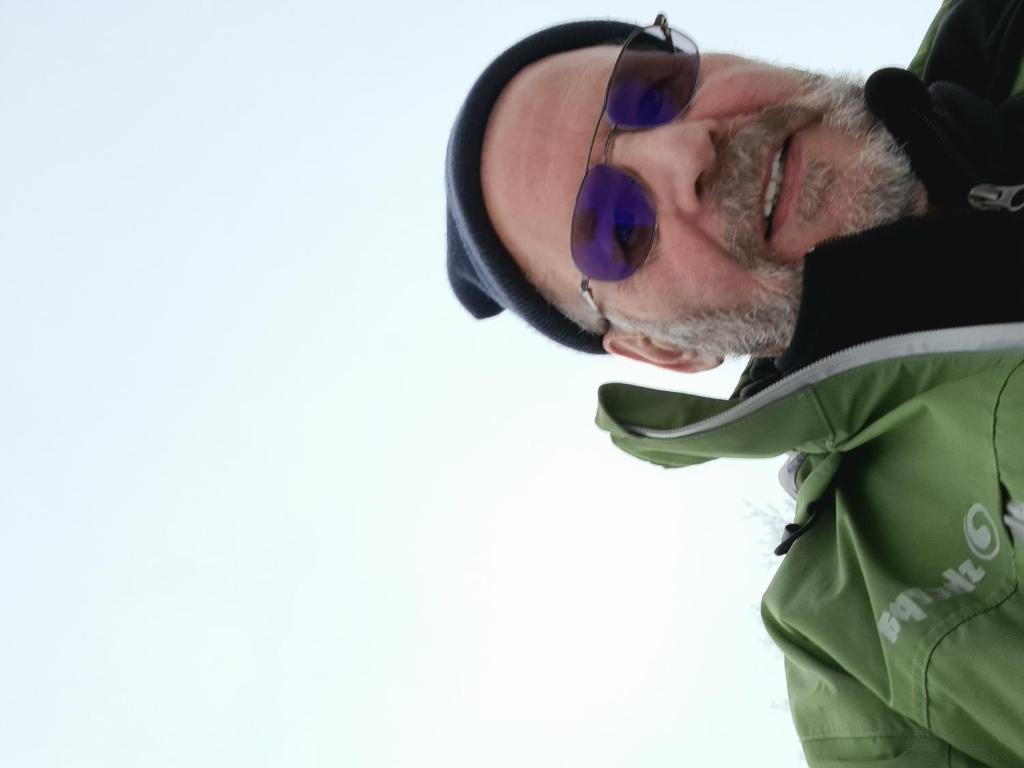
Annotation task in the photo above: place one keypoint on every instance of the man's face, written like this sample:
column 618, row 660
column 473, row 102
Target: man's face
column 708, row 172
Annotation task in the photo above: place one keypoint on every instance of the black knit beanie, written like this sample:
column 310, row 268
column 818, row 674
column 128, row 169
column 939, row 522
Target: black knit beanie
column 482, row 273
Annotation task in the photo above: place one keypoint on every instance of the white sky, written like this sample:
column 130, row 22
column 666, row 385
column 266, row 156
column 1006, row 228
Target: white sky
column 269, row 497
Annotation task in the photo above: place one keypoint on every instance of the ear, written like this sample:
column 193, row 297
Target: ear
column 637, row 346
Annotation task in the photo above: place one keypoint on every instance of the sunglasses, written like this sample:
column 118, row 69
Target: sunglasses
column 614, row 222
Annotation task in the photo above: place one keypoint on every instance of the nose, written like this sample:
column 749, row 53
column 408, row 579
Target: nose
column 673, row 160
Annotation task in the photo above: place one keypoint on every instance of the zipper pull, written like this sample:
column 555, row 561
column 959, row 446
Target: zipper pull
column 991, row 197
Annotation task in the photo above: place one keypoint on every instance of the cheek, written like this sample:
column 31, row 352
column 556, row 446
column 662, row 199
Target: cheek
column 690, row 275
column 739, row 87
column 853, row 181
column 828, row 144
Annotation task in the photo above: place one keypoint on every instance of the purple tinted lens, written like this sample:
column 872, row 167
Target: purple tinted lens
column 651, row 84
column 612, row 225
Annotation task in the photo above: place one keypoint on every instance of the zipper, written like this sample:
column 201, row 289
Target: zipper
column 978, row 338
column 982, row 196
column 992, row 197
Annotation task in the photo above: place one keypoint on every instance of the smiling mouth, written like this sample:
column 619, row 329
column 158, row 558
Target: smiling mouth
column 774, row 189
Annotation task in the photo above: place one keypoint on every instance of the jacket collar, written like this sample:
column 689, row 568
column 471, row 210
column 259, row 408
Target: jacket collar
column 832, row 405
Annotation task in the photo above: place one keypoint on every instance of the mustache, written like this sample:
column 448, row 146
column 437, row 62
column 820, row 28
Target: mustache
column 735, row 184
column 736, row 187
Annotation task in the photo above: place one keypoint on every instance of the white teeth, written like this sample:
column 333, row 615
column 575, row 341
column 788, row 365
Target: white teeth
column 771, row 195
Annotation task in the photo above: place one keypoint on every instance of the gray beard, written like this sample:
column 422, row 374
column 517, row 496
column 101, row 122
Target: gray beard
column 765, row 324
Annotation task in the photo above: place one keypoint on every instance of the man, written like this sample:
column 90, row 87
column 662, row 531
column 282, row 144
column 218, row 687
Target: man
column 863, row 245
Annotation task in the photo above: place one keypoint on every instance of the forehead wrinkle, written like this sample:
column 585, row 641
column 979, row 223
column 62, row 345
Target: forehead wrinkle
column 564, row 129
column 577, row 115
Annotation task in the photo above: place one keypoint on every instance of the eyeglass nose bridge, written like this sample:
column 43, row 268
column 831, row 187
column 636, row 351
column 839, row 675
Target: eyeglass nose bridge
column 608, row 143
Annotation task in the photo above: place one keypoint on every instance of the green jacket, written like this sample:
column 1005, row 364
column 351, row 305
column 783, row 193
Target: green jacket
column 897, row 607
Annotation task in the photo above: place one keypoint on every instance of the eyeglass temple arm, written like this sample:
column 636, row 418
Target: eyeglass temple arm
column 588, row 296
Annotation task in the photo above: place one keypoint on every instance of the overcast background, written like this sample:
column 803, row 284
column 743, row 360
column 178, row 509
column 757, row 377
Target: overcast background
column 268, row 496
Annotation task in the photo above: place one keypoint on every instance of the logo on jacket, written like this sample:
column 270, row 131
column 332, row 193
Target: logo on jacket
column 980, row 529
column 909, row 605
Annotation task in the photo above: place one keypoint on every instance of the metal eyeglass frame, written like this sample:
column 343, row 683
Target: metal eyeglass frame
column 660, row 21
